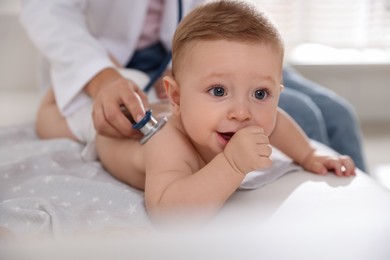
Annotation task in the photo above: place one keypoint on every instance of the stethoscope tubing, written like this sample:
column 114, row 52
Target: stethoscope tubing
column 168, row 57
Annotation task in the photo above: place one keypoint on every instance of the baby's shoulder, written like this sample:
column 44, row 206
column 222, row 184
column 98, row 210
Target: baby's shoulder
column 172, row 144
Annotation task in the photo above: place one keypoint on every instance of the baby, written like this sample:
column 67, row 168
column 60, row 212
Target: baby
column 223, row 92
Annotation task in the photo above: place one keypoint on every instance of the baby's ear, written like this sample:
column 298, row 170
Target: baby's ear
column 281, row 87
column 173, row 92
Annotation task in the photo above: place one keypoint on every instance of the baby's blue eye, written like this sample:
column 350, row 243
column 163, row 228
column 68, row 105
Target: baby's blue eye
column 217, row 91
column 261, row 94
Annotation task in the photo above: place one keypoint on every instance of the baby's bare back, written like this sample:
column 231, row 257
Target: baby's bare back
column 124, row 158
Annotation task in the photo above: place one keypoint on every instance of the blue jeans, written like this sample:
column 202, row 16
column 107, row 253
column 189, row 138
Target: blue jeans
column 323, row 115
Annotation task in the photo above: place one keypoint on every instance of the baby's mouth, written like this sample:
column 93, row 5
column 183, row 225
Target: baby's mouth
column 226, row 136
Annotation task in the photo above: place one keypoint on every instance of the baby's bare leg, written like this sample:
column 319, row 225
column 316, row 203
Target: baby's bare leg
column 49, row 121
column 123, row 158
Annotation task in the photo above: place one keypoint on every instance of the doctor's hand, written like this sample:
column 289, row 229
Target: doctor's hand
column 320, row 162
column 109, row 91
column 248, row 150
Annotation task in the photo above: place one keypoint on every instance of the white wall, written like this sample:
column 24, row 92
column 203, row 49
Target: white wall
column 19, row 95
column 17, row 54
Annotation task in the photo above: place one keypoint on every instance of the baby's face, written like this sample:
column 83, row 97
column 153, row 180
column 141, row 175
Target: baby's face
column 226, row 86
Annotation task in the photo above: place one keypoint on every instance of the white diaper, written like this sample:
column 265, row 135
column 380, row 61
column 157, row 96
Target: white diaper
column 81, row 125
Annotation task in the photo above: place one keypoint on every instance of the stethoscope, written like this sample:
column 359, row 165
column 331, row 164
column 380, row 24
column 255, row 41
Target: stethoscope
column 167, row 58
column 148, row 125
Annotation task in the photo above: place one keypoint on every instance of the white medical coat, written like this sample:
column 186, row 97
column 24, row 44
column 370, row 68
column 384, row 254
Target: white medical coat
column 75, row 36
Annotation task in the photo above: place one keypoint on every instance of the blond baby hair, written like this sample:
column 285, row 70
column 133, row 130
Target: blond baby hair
column 224, row 20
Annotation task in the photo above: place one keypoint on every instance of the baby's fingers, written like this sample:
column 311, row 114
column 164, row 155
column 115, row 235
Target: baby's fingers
column 264, row 150
column 318, row 168
column 343, row 166
column 348, row 168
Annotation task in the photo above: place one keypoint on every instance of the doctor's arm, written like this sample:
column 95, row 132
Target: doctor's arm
column 289, row 138
column 80, row 65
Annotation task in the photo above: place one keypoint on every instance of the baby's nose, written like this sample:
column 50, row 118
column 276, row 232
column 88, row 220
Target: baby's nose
column 240, row 111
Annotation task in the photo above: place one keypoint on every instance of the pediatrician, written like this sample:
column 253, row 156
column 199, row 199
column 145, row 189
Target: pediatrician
column 83, row 42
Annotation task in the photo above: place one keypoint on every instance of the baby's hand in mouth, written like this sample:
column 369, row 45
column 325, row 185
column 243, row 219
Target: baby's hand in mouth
column 226, row 136
column 247, row 149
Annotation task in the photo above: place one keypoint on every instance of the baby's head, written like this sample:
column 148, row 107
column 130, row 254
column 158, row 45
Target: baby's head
column 224, row 20
column 227, row 62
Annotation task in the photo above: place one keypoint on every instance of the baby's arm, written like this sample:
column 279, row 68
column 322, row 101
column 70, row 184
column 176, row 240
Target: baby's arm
column 289, row 138
column 180, row 181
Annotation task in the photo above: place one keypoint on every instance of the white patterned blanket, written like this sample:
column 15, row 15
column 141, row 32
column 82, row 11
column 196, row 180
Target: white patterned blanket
column 46, row 189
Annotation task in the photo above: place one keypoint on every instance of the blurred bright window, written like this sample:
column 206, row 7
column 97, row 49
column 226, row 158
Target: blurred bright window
column 353, row 26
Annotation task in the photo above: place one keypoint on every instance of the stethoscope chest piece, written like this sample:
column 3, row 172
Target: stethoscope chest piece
column 148, row 125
